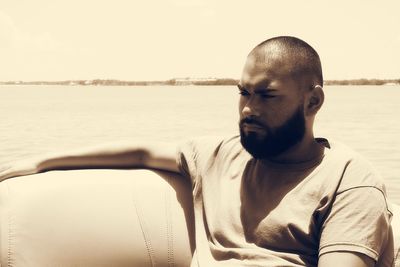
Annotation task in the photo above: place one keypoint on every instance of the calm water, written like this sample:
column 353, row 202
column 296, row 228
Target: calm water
column 36, row 119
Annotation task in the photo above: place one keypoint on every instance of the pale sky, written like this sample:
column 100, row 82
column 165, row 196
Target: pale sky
column 162, row 39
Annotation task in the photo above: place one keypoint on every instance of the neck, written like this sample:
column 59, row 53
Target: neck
column 306, row 150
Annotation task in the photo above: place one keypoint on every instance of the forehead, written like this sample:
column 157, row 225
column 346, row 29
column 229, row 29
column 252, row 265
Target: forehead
column 266, row 69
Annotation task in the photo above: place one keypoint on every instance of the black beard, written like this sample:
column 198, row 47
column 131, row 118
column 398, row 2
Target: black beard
column 277, row 140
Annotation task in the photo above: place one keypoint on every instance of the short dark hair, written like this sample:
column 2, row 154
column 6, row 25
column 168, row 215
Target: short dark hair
column 306, row 59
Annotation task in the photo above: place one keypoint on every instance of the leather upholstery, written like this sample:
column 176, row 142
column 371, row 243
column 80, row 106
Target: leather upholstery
column 96, row 218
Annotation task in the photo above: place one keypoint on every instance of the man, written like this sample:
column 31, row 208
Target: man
column 275, row 195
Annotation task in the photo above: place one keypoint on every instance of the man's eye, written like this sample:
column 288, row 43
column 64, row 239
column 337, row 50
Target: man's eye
column 244, row 93
column 267, row 96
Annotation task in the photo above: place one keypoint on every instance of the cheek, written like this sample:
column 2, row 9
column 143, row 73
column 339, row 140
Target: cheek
column 273, row 117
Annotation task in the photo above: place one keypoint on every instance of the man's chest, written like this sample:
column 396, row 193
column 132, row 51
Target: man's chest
column 243, row 212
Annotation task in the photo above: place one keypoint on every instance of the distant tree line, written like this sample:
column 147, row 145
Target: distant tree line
column 362, row 82
column 225, row 81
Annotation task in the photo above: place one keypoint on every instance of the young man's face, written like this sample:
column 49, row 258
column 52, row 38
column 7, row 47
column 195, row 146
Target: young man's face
column 271, row 107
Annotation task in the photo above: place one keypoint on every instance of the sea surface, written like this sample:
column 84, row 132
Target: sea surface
column 41, row 119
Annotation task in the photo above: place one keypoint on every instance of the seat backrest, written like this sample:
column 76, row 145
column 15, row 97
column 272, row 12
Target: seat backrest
column 96, row 218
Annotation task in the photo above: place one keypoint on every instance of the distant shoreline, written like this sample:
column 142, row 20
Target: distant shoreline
column 188, row 81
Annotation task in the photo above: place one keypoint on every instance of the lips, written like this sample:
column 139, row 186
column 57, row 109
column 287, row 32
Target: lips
column 252, row 127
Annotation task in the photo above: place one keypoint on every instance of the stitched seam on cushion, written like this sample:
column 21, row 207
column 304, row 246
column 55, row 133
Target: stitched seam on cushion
column 369, row 186
column 170, row 241
column 9, row 238
column 147, row 241
column 396, row 257
column 9, row 242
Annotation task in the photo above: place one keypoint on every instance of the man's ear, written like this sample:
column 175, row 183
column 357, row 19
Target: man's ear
column 315, row 100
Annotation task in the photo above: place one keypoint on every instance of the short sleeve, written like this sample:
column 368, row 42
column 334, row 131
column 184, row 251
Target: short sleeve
column 186, row 159
column 359, row 221
column 192, row 156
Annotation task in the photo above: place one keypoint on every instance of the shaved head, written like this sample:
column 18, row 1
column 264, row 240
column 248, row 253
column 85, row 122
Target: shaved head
column 299, row 58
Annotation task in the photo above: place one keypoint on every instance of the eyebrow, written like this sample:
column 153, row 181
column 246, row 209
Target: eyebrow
column 241, row 87
column 265, row 90
column 258, row 91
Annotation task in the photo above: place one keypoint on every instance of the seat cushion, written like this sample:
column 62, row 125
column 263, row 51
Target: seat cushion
column 96, row 218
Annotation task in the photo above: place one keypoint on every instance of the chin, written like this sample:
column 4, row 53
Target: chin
column 254, row 136
column 261, row 147
column 253, row 144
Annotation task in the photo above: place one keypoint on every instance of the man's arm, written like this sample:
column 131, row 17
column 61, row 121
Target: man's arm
column 141, row 155
column 334, row 259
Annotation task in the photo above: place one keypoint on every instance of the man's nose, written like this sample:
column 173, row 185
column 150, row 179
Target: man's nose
column 250, row 109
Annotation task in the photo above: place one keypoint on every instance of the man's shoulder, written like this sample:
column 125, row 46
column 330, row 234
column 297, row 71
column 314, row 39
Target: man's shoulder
column 217, row 147
column 203, row 151
column 339, row 150
column 357, row 169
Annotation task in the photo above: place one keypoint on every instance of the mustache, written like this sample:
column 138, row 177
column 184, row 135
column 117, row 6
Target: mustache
column 249, row 120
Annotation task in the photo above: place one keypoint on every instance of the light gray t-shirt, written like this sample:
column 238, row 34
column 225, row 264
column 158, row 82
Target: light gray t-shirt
column 257, row 213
